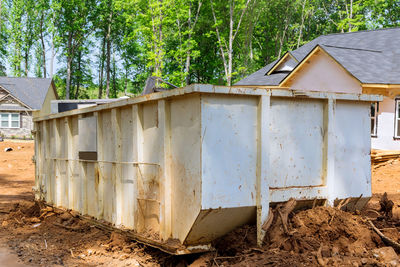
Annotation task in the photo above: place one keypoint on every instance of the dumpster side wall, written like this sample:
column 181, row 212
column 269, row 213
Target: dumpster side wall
column 352, row 150
column 296, row 142
column 197, row 162
column 229, row 150
column 185, row 163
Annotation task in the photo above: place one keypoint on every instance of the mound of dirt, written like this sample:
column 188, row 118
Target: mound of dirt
column 27, row 208
column 334, row 229
column 322, row 235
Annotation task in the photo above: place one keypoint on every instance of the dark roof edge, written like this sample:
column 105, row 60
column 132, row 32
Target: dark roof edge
column 370, row 30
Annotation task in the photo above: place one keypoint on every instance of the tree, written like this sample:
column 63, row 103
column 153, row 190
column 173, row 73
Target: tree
column 28, row 31
column 3, row 38
column 16, row 38
column 227, row 37
column 183, row 46
column 73, row 26
column 43, row 22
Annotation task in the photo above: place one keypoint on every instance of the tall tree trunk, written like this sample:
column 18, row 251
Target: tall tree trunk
column 79, row 76
column 283, row 35
column 351, row 15
column 126, row 80
column 157, row 21
column 302, row 23
column 53, row 54
column 114, row 74
column 101, row 72
column 69, row 66
column 191, row 27
column 229, row 78
column 108, row 68
column 43, row 46
column 68, row 81
column 232, row 35
column 187, row 66
column 26, row 58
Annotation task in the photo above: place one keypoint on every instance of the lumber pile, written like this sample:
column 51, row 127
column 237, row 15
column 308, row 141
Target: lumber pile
column 381, row 156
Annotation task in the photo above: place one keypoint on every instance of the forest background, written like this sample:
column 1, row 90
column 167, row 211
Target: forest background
column 108, row 48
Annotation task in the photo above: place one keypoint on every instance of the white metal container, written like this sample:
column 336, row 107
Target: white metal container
column 183, row 167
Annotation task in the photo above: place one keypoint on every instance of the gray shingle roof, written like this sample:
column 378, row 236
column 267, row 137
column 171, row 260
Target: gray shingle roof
column 30, row 91
column 370, row 56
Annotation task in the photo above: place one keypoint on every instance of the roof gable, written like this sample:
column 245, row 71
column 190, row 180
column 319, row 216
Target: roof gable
column 319, row 71
column 29, row 91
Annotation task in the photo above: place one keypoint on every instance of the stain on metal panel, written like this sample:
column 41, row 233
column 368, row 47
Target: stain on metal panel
column 229, row 150
column 296, row 142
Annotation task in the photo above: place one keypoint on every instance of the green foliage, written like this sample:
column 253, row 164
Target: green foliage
column 120, row 43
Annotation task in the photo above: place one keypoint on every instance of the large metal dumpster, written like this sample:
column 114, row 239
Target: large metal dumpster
column 183, row 167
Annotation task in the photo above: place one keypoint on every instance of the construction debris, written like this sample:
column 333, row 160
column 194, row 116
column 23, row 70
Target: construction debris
column 153, row 85
column 381, row 156
column 386, row 206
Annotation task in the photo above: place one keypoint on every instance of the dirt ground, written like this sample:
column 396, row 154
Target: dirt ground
column 322, row 236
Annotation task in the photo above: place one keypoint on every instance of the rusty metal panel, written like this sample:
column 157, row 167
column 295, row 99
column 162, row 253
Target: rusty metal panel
column 106, row 168
column 128, row 171
column 148, row 198
column 74, row 173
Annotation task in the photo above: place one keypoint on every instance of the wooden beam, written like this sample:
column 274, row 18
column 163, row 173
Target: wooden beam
column 375, row 90
column 378, row 85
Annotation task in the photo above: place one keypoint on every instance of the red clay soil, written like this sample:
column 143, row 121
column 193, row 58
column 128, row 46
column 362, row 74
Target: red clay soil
column 42, row 236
